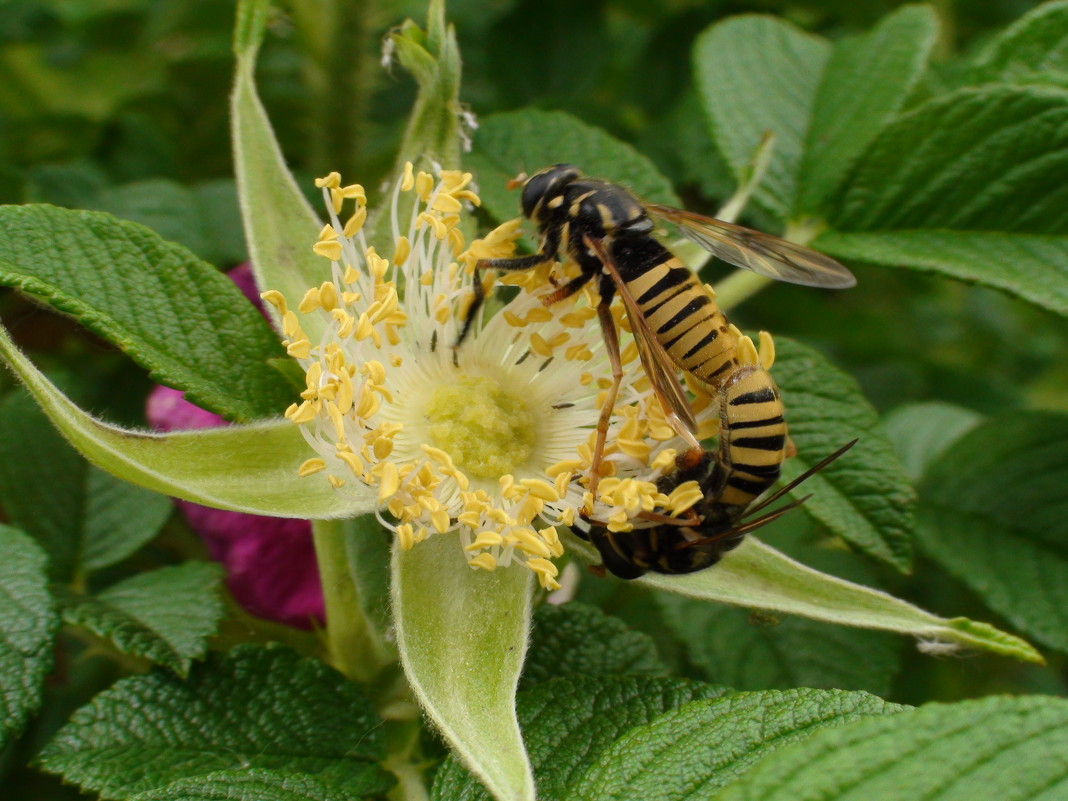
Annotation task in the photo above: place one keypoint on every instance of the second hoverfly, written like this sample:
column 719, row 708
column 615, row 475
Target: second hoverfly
column 676, row 323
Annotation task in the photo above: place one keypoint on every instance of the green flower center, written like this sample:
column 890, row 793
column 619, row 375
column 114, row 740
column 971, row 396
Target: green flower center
column 487, row 430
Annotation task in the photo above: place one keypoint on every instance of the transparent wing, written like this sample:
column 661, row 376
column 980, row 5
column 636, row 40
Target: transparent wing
column 656, row 362
column 762, row 253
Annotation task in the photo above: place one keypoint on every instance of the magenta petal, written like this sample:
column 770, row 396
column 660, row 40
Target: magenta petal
column 270, row 562
column 243, row 276
column 168, row 410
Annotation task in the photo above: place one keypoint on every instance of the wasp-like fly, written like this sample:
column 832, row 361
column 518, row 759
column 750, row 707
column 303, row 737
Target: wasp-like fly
column 676, row 323
column 717, row 523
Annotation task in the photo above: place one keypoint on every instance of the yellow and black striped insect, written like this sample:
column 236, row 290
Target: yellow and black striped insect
column 676, row 323
column 715, row 525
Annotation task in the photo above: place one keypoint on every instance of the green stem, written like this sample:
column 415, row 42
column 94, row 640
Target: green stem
column 404, row 763
column 354, row 643
column 738, row 287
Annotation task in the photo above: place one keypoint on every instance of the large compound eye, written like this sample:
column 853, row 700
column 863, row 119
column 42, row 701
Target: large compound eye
column 543, row 185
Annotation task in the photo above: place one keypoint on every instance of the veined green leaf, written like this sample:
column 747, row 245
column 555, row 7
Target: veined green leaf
column 528, row 140
column 1032, row 267
column 245, row 468
column 993, row 514
column 753, row 651
column 164, row 615
column 84, row 518
column 760, row 651
column 757, row 74
column 171, row 313
column 280, row 226
column 28, row 623
column 993, row 158
column 576, row 638
column 757, row 576
column 867, row 80
column 921, row 432
column 1010, row 749
column 258, row 708
column 864, row 496
column 981, row 196
column 568, row 722
column 244, row 784
column 690, row 752
column 462, row 636
column 1034, row 49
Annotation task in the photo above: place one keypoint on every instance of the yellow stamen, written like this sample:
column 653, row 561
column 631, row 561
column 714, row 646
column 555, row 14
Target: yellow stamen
column 311, row 467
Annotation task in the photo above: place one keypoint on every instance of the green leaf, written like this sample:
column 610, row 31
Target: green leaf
column 692, row 751
column 567, row 722
column 754, row 650
column 750, row 652
column 1034, row 49
column 990, row 159
column 577, row 638
column 509, row 143
column 980, row 198
column 171, row 313
column 756, row 74
column 1010, row 749
column 84, row 518
column 757, row 576
column 462, row 636
column 921, row 432
column 245, row 468
column 993, row 514
column 247, row 785
column 280, row 225
column 253, row 708
column 74, row 184
column 203, row 218
column 683, row 147
column 164, row 615
column 864, row 496
column 28, row 625
column 866, row 82
column 1029, row 266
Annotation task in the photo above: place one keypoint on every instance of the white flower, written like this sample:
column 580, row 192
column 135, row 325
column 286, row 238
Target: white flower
column 490, row 442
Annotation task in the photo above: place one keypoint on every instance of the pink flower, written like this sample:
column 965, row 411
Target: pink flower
column 270, row 561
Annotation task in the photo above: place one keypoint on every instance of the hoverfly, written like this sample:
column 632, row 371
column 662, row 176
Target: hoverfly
column 608, row 233
column 715, row 526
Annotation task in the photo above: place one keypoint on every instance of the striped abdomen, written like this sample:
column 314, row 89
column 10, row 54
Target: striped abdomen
column 752, row 437
column 679, row 309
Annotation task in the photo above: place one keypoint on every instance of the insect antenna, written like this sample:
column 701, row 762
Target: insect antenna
column 814, row 469
column 744, row 528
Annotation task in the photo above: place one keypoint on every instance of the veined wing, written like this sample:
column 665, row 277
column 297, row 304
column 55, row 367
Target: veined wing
column 764, row 254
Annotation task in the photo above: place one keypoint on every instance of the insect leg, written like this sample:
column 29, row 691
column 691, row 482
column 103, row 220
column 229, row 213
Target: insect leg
column 568, row 289
column 690, row 518
column 611, row 346
column 509, row 265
